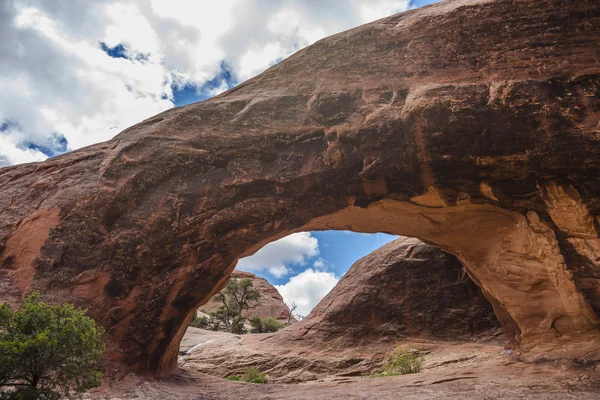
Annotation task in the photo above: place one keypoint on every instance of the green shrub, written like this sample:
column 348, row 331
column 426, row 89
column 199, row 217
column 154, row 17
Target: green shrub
column 234, row 378
column 237, row 326
column 48, row 352
column 262, row 325
column 402, row 361
column 256, row 324
column 272, row 325
column 254, row 375
column 200, row 322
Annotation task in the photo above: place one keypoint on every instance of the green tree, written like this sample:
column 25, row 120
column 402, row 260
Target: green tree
column 47, row 352
column 235, row 299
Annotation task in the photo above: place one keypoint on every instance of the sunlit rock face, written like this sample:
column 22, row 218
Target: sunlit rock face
column 472, row 125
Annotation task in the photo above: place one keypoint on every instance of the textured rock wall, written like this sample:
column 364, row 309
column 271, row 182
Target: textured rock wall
column 470, row 124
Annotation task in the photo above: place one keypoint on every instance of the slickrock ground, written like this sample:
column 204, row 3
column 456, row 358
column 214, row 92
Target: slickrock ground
column 270, row 303
column 456, row 371
column 470, row 124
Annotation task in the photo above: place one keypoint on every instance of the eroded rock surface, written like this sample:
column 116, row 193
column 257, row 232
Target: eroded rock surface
column 269, row 305
column 470, row 124
column 467, row 371
column 401, row 291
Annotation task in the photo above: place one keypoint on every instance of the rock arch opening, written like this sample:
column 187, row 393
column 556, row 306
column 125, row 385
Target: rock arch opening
column 492, row 244
column 402, row 293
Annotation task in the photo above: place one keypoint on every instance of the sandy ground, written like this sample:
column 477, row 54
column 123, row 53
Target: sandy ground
column 451, row 371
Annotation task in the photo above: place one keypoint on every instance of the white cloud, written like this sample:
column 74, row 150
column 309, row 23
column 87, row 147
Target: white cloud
column 321, row 264
column 375, row 10
column 307, row 289
column 55, row 79
column 11, row 154
column 223, row 86
column 277, row 256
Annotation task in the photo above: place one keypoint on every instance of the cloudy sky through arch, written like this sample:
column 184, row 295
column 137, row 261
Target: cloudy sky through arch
column 305, row 266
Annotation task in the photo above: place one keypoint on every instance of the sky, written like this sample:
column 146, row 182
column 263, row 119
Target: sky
column 78, row 72
column 305, row 266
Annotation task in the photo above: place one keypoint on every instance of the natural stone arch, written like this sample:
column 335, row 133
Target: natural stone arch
column 391, row 127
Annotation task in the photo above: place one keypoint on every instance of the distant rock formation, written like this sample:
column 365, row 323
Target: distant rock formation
column 270, row 303
column 405, row 289
column 470, row 124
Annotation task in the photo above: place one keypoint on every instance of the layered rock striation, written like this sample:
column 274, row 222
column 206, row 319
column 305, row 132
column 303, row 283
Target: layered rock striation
column 470, row 124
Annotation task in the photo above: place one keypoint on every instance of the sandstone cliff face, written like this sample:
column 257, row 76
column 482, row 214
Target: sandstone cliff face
column 270, row 304
column 470, row 124
column 406, row 289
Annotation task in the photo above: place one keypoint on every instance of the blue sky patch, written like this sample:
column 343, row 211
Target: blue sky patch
column 187, row 94
column 338, row 250
column 118, row 51
column 55, row 145
column 421, row 3
column 6, row 125
column 342, row 248
column 192, row 94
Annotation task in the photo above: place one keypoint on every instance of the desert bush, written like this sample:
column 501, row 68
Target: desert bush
column 402, row 361
column 47, row 352
column 200, row 322
column 253, row 375
column 237, row 326
column 234, row 378
column 263, row 325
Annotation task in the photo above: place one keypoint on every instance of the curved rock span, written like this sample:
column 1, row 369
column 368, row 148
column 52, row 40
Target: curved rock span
column 472, row 125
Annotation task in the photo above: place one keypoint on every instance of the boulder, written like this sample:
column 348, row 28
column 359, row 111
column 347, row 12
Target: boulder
column 404, row 290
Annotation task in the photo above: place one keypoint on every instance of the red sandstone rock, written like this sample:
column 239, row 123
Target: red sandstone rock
column 270, row 304
column 470, row 124
column 405, row 289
